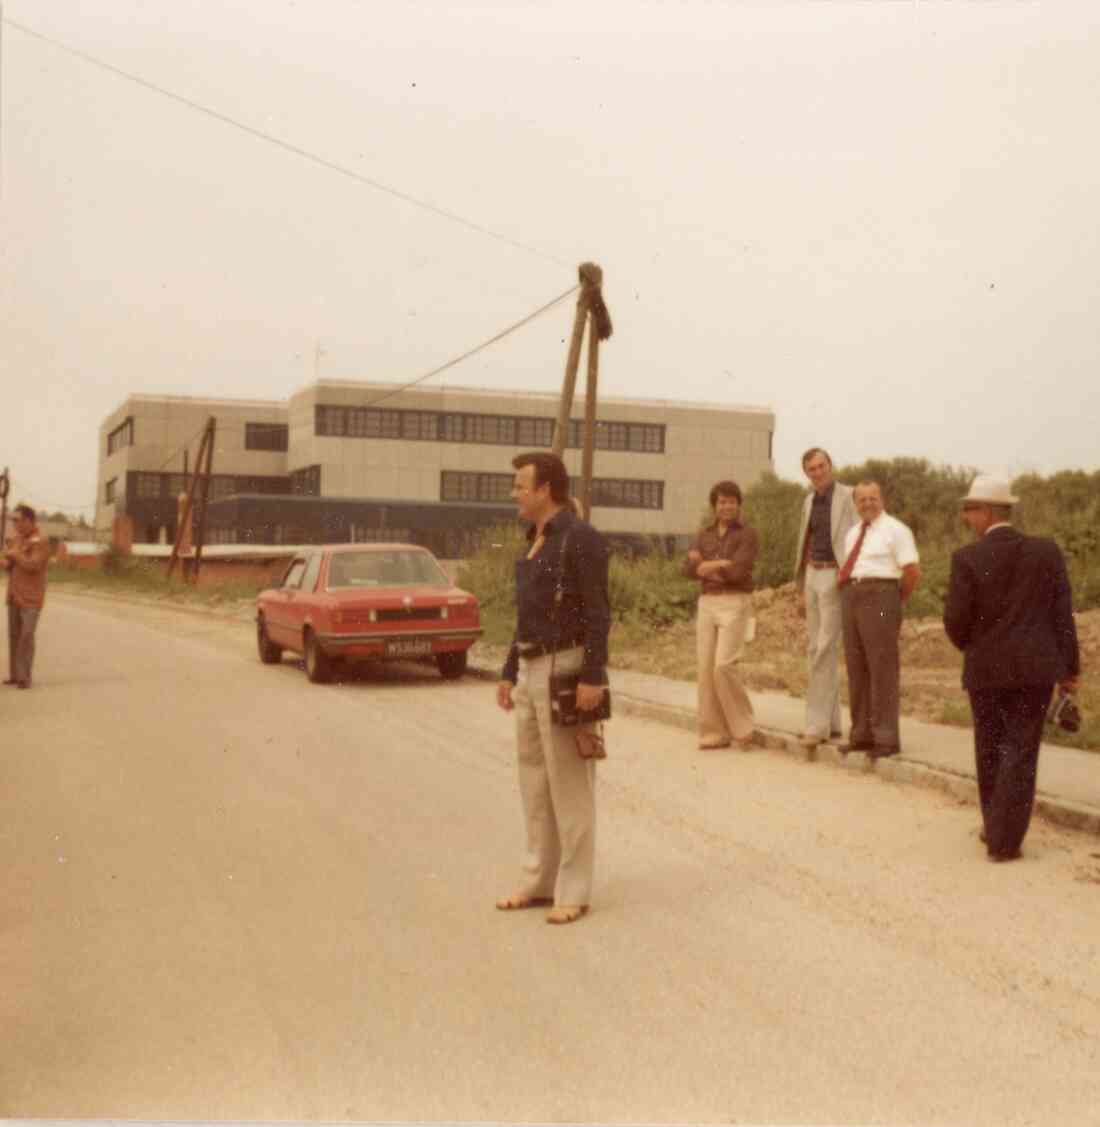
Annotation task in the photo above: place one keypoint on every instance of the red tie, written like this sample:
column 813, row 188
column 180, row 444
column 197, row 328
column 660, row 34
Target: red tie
column 845, row 573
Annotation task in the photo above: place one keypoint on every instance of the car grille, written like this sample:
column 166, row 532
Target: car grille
column 409, row 614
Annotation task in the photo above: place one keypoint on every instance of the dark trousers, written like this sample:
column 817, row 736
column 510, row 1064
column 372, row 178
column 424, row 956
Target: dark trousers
column 1008, row 726
column 22, row 623
column 871, row 622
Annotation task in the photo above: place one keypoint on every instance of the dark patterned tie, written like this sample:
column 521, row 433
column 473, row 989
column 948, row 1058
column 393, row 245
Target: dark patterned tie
column 845, row 573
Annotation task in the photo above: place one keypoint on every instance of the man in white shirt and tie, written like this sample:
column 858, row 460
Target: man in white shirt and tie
column 881, row 570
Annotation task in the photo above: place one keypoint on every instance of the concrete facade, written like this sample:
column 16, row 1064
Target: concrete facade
column 654, row 464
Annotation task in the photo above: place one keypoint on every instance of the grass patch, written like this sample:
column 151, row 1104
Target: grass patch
column 127, row 576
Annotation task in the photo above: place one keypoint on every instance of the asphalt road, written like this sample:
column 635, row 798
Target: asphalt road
column 227, row 893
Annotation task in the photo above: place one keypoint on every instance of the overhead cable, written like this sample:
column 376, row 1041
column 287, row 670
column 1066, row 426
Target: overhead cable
column 405, row 197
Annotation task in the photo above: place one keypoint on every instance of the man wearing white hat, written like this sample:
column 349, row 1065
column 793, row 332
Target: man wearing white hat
column 1009, row 610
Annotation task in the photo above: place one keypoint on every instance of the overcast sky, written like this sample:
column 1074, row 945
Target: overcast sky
column 877, row 218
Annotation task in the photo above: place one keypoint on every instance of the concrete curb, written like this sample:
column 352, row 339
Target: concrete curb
column 1058, row 811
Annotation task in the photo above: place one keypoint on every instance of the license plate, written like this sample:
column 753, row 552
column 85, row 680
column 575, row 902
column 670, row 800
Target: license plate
column 409, row 647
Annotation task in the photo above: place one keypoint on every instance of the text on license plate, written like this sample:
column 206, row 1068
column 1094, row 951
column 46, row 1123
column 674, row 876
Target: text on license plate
column 409, row 647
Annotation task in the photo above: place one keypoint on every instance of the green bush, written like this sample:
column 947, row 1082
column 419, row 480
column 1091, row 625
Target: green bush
column 774, row 508
column 650, row 590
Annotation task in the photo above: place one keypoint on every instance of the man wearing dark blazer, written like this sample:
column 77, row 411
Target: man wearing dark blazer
column 1009, row 610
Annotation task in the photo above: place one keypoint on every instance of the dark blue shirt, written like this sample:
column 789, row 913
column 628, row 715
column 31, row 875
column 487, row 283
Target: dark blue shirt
column 584, row 617
column 821, row 527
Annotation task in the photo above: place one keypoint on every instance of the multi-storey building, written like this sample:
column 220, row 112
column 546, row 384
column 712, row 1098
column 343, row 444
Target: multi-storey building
column 356, row 461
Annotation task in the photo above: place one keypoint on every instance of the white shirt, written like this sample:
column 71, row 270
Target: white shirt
column 887, row 548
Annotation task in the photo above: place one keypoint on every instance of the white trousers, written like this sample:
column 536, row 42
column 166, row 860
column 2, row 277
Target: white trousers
column 558, row 789
column 721, row 630
column 823, row 625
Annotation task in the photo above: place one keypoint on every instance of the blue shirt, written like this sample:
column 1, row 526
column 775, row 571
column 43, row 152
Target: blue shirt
column 584, row 616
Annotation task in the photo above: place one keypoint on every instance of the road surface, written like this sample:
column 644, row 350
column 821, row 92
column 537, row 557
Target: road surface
column 227, row 893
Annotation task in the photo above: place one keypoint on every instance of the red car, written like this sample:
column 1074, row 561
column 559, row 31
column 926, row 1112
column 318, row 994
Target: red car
column 357, row 602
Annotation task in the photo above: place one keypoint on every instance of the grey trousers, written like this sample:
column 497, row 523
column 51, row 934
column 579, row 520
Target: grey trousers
column 558, row 789
column 871, row 615
column 823, row 629
column 22, row 623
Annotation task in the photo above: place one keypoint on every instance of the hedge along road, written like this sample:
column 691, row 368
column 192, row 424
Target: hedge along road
column 228, row 893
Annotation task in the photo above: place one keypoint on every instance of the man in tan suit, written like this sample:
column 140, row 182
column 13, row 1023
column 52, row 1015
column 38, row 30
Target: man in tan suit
column 827, row 513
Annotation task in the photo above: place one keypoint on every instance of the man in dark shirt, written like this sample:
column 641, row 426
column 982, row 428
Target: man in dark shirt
column 556, row 785
column 721, row 557
column 828, row 511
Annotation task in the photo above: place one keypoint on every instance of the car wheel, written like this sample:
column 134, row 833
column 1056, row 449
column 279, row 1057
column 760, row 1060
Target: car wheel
column 270, row 654
column 318, row 663
column 451, row 665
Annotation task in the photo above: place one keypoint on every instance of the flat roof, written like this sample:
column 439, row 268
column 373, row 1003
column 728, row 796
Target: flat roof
column 553, row 396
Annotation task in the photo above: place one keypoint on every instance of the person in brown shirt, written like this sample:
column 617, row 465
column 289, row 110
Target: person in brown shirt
column 26, row 557
column 721, row 557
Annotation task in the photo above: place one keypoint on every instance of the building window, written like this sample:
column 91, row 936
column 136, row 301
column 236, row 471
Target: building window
column 222, row 485
column 265, row 436
column 496, row 488
column 484, row 429
column 331, row 421
column 627, row 493
column 110, row 491
column 148, row 485
column 306, row 482
column 366, row 534
column 120, row 437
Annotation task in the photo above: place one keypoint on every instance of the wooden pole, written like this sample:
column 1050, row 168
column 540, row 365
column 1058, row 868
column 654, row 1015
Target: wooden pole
column 5, row 485
column 569, row 384
column 185, row 515
column 211, row 428
column 589, row 449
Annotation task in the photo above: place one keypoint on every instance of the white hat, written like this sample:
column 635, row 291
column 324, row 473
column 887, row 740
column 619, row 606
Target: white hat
column 988, row 490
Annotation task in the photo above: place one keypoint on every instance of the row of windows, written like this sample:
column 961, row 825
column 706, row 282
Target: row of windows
column 502, row 430
column 266, row 436
column 152, row 486
column 306, row 482
column 121, row 436
column 607, row 492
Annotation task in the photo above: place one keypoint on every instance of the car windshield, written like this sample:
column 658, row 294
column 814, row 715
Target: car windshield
column 384, row 569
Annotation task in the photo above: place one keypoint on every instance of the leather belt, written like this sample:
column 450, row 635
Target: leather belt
column 873, row 579
column 538, row 649
column 820, row 564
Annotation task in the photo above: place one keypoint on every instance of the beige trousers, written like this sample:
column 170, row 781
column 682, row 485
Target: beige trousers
column 823, row 628
column 558, row 789
column 721, row 630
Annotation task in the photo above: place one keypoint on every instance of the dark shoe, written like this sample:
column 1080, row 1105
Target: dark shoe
column 855, row 745
column 883, row 751
column 1004, row 855
column 22, row 684
column 11, row 681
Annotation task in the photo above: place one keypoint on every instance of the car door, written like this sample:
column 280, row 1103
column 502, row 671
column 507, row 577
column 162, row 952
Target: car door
column 302, row 606
column 280, row 610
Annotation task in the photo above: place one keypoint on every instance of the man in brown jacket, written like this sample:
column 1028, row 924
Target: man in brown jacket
column 721, row 557
column 26, row 555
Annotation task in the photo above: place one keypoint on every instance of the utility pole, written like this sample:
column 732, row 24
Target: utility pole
column 204, row 458
column 590, row 309
column 5, row 485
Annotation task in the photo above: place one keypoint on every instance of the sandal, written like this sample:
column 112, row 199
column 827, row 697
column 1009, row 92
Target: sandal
column 566, row 914
column 519, row 901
